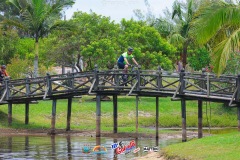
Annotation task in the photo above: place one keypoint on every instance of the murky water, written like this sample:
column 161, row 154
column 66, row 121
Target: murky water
column 74, row 147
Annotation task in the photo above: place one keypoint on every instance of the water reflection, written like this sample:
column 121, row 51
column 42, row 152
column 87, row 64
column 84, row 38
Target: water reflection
column 71, row 147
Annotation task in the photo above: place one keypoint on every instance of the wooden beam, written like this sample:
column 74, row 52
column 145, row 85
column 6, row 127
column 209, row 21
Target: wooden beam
column 69, row 110
column 200, row 132
column 184, row 129
column 10, row 113
column 115, row 114
column 26, row 113
column 137, row 99
column 53, row 122
column 98, row 116
column 238, row 116
column 157, row 116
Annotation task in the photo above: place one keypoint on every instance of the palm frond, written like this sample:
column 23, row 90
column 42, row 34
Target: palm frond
column 176, row 39
column 177, row 10
column 14, row 3
column 15, row 23
column 211, row 18
column 57, row 7
column 63, row 26
column 221, row 52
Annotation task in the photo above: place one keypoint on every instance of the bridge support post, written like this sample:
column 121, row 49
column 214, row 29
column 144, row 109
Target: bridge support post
column 69, row 110
column 54, row 105
column 200, row 133
column 238, row 114
column 157, row 115
column 98, row 116
column 237, row 98
column 115, row 113
column 10, row 113
column 137, row 99
column 184, row 128
column 26, row 113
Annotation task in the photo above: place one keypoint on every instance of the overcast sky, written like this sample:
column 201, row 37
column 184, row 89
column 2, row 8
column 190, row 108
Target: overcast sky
column 118, row 9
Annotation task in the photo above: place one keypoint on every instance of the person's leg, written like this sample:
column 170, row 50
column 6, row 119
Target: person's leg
column 125, row 68
column 121, row 65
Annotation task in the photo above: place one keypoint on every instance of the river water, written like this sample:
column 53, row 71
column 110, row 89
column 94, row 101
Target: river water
column 78, row 148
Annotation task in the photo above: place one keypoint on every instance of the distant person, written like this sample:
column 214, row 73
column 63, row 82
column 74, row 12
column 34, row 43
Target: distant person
column 79, row 64
column 179, row 66
column 3, row 70
column 3, row 73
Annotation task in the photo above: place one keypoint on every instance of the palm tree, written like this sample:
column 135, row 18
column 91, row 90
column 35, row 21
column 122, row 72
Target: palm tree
column 218, row 24
column 181, row 36
column 37, row 18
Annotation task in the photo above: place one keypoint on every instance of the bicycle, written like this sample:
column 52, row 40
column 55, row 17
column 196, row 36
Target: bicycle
column 129, row 77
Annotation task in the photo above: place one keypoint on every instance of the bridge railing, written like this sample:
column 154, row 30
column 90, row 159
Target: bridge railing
column 44, row 87
column 157, row 81
column 209, row 86
column 24, row 88
column 71, row 83
column 141, row 82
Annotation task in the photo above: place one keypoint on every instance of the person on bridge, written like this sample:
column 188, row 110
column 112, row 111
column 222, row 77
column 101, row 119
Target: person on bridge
column 123, row 61
column 3, row 73
column 3, row 70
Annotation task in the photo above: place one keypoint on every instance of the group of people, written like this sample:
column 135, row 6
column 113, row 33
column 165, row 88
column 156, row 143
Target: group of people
column 3, row 73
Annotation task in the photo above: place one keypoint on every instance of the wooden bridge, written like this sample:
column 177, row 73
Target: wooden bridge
column 181, row 86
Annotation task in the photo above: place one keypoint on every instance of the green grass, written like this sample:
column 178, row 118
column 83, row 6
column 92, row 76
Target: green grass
column 84, row 118
column 84, row 114
column 217, row 147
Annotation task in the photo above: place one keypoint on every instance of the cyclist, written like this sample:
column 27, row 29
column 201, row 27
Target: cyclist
column 123, row 61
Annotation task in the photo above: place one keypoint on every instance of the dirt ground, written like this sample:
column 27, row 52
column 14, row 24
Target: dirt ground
column 152, row 156
column 175, row 134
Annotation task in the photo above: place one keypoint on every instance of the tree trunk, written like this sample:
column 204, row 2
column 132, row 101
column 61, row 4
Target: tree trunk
column 35, row 72
column 184, row 55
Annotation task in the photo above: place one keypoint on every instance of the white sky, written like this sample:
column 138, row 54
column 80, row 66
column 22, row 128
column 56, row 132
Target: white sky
column 118, row 9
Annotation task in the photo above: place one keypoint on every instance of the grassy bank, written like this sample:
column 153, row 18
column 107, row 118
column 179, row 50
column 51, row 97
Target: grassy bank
column 84, row 118
column 223, row 146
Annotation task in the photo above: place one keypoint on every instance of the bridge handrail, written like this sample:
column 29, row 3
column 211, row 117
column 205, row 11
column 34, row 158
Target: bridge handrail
column 142, row 81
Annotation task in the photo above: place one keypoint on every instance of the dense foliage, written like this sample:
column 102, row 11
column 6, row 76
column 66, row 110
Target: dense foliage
column 157, row 41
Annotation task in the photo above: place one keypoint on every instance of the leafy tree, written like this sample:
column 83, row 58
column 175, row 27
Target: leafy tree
column 92, row 30
column 101, row 41
column 217, row 23
column 18, row 68
column 199, row 59
column 37, row 19
column 146, row 42
column 22, row 68
column 25, row 48
column 8, row 41
column 233, row 64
